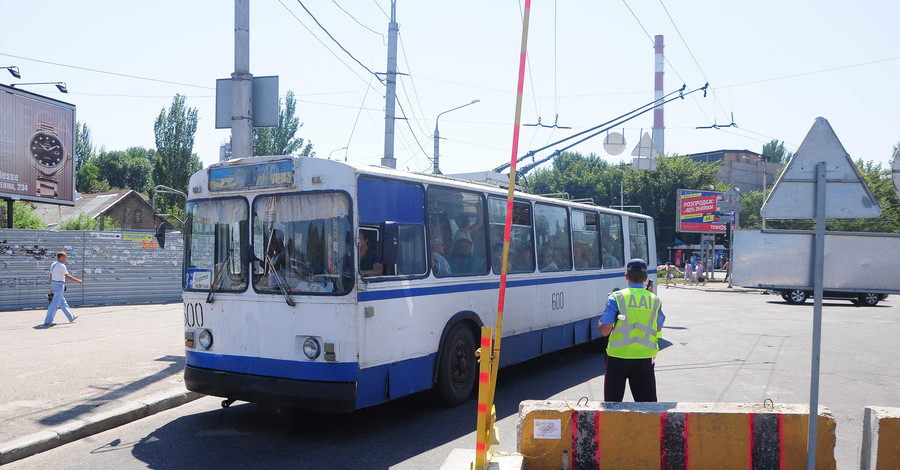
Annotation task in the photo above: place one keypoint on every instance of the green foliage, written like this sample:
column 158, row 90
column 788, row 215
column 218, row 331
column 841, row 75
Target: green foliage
column 24, row 217
column 88, row 180
column 776, row 152
column 84, row 148
column 131, row 169
column 281, row 140
column 175, row 161
column 655, row 192
column 751, row 203
column 83, row 222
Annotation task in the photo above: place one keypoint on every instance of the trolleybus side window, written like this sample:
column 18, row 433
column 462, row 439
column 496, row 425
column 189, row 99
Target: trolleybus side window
column 612, row 243
column 637, row 234
column 458, row 217
column 301, row 243
column 214, row 256
column 403, row 203
column 586, row 239
column 521, row 238
column 551, row 224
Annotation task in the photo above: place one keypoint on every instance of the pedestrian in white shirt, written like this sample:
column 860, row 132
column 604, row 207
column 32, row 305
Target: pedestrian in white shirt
column 58, row 276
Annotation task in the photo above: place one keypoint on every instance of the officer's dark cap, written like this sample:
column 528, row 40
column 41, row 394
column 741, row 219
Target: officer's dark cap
column 637, row 264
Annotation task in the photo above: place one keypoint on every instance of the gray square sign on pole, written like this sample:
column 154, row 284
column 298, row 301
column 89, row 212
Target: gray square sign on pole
column 265, row 102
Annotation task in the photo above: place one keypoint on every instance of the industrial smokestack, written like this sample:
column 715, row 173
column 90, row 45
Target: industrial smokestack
column 659, row 129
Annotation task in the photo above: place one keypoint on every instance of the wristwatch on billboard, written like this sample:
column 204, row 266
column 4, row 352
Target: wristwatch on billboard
column 48, row 158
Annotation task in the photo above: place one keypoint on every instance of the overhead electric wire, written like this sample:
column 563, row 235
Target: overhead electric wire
column 383, row 39
column 337, row 42
column 600, row 129
column 785, row 77
column 327, row 48
column 702, row 111
column 702, row 74
column 136, row 77
column 411, row 80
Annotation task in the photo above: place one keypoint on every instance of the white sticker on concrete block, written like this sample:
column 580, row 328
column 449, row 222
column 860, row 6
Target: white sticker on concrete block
column 547, row 429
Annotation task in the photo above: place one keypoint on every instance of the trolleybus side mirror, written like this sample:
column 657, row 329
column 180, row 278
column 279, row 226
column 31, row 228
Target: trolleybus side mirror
column 390, row 243
column 161, row 235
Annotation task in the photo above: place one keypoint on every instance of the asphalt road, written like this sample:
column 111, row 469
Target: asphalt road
column 719, row 347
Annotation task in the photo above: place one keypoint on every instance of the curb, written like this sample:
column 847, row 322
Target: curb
column 63, row 434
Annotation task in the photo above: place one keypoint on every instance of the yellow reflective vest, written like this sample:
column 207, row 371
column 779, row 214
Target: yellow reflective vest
column 636, row 336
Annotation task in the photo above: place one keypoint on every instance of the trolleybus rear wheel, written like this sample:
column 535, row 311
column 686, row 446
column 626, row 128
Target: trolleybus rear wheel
column 458, row 367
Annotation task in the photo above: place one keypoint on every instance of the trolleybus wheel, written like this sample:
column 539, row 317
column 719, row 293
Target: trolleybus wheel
column 458, row 367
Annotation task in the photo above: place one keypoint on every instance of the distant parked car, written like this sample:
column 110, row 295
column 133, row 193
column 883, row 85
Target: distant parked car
column 868, row 299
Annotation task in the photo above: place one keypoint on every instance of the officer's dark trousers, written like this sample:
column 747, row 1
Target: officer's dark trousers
column 638, row 372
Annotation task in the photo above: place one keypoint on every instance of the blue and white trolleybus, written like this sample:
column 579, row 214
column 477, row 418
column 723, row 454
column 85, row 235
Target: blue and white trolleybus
column 331, row 286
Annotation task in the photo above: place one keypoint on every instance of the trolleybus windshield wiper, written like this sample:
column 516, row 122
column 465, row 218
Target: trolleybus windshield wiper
column 218, row 274
column 282, row 282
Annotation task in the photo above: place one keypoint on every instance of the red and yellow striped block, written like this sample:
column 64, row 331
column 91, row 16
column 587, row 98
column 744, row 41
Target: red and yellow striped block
column 881, row 439
column 674, row 436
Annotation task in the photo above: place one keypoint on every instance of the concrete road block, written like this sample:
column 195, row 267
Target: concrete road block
column 671, row 435
column 881, row 439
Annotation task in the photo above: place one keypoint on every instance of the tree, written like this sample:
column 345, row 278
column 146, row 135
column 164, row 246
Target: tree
column 88, row 180
column 175, row 161
column 776, row 152
column 84, row 148
column 24, row 217
column 281, row 140
column 653, row 191
column 82, row 222
column 131, row 169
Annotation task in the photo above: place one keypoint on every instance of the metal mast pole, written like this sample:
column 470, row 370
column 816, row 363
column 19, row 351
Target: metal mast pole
column 242, row 84
column 391, row 95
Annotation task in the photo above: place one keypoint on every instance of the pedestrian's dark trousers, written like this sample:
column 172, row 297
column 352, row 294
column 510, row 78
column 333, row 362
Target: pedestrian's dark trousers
column 638, row 372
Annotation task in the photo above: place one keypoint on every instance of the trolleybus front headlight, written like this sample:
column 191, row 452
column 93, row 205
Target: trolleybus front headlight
column 311, row 348
column 206, row 339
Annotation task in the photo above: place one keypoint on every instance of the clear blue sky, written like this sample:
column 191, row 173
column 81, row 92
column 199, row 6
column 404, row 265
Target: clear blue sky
column 776, row 65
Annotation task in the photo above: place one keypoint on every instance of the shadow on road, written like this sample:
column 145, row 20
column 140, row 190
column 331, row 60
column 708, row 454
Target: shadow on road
column 176, row 365
column 248, row 435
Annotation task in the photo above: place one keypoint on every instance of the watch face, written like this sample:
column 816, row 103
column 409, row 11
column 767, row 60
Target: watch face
column 47, row 150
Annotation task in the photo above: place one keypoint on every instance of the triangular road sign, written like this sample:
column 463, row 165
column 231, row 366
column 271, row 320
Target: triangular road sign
column 644, row 148
column 794, row 194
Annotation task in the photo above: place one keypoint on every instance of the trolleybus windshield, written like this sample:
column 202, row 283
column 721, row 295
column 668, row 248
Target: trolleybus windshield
column 216, row 245
column 303, row 242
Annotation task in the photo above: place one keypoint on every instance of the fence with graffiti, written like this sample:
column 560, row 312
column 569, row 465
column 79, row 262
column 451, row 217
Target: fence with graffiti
column 117, row 267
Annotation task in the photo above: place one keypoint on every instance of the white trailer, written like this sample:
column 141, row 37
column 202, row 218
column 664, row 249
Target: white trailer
column 861, row 267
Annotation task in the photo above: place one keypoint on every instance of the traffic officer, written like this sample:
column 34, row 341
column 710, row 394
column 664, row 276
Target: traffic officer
column 633, row 320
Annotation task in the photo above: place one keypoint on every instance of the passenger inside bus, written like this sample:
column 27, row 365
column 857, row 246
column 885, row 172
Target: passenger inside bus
column 547, row 262
column 462, row 260
column 369, row 263
column 439, row 265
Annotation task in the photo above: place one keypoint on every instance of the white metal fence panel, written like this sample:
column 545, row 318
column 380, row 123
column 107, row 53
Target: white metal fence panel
column 117, row 267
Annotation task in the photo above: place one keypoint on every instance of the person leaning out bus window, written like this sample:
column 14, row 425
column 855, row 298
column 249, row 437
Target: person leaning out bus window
column 369, row 263
column 633, row 320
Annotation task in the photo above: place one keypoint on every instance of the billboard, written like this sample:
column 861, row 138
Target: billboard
column 697, row 212
column 37, row 144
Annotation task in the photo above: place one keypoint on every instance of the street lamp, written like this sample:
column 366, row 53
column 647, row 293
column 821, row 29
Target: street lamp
column 59, row 85
column 337, row 150
column 14, row 71
column 437, row 134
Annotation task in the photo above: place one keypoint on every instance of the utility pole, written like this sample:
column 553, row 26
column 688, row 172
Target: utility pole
column 242, row 84
column 391, row 95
